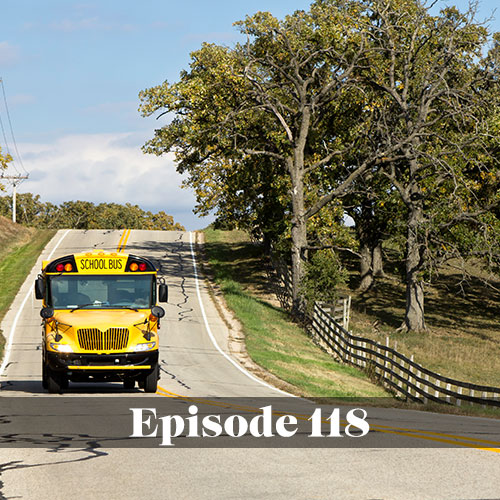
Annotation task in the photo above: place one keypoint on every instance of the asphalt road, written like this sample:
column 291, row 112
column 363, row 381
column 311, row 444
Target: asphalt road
column 195, row 363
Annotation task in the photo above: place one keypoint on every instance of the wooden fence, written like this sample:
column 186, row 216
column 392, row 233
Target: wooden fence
column 329, row 325
column 394, row 370
column 340, row 310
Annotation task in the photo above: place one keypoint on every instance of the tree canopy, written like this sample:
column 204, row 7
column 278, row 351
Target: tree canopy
column 381, row 109
column 85, row 215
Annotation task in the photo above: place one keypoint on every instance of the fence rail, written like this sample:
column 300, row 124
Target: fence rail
column 394, row 370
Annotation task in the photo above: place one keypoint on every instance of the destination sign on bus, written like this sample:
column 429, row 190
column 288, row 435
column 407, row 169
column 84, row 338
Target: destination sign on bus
column 104, row 265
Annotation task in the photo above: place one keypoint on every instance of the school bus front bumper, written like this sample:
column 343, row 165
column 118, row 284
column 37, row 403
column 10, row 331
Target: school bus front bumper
column 127, row 364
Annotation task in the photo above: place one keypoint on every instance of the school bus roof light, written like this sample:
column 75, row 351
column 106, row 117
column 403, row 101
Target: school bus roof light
column 62, row 264
column 139, row 264
column 68, row 267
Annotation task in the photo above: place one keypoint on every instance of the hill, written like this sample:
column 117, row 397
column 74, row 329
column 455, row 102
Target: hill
column 12, row 235
column 19, row 249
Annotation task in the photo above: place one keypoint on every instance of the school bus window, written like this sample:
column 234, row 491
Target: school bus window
column 114, row 291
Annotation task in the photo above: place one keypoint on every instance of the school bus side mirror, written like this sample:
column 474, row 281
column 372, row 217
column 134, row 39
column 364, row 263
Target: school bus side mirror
column 163, row 293
column 47, row 312
column 39, row 288
column 158, row 311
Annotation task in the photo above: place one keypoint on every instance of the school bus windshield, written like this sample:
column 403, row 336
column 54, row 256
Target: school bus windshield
column 101, row 292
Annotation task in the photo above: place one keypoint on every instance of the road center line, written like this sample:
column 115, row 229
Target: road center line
column 123, row 240
column 476, row 443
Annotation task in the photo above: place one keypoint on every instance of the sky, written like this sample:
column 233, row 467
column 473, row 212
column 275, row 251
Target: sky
column 72, row 72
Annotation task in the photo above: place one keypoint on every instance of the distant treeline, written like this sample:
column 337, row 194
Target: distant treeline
column 84, row 215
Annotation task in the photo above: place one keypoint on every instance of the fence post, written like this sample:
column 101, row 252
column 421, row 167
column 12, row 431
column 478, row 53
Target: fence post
column 459, row 401
column 386, row 364
column 410, row 377
column 436, row 392
column 348, row 312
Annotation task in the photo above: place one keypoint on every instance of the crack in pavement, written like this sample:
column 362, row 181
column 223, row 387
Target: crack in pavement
column 176, row 253
column 91, row 450
column 172, row 375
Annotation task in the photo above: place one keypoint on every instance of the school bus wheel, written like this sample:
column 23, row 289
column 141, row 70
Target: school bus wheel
column 56, row 382
column 44, row 375
column 128, row 383
column 151, row 381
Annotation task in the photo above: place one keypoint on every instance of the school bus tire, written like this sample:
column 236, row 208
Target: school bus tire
column 56, row 383
column 45, row 368
column 151, row 381
column 128, row 383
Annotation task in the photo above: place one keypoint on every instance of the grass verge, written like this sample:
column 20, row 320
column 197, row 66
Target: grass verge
column 272, row 340
column 15, row 264
column 283, row 348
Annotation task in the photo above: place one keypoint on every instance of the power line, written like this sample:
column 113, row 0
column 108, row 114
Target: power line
column 5, row 140
column 11, row 129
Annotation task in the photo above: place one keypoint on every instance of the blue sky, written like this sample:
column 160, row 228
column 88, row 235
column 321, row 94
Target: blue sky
column 72, row 72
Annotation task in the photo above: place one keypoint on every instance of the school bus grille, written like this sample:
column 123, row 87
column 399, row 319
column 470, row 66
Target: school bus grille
column 93, row 339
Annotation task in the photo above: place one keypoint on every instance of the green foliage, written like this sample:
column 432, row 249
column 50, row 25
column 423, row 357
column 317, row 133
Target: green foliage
column 324, row 275
column 85, row 215
column 4, row 163
column 385, row 109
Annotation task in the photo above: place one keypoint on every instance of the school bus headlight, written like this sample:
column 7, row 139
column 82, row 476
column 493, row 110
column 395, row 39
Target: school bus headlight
column 61, row 347
column 145, row 347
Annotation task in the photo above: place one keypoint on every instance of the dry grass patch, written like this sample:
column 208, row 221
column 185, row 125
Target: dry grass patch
column 463, row 336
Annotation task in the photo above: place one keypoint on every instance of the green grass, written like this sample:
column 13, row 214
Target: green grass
column 272, row 339
column 15, row 264
column 462, row 340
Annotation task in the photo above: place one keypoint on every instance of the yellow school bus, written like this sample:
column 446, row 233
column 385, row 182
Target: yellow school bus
column 100, row 320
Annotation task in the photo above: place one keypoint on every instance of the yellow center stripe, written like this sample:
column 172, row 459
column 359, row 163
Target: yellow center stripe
column 123, row 240
column 478, row 444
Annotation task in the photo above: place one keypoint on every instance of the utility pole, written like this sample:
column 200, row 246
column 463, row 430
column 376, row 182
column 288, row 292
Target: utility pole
column 16, row 179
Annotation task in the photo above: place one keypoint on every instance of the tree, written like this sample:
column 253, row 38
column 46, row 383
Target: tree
column 363, row 99
column 5, row 159
column 425, row 70
column 287, row 96
column 86, row 215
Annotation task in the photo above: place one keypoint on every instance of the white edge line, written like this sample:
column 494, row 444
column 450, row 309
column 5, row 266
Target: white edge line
column 8, row 348
column 212, row 338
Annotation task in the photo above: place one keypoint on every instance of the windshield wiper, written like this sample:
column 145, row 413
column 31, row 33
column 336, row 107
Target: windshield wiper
column 81, row 306
column 107, row 307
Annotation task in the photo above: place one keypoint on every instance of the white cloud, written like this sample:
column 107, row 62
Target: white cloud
column 107, row 168
column 9, row 54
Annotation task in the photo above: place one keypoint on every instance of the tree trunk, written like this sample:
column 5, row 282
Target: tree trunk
column 299, row 221
column 377, row 260
column 366, row 268
column 414, row 314
column 299, row 236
